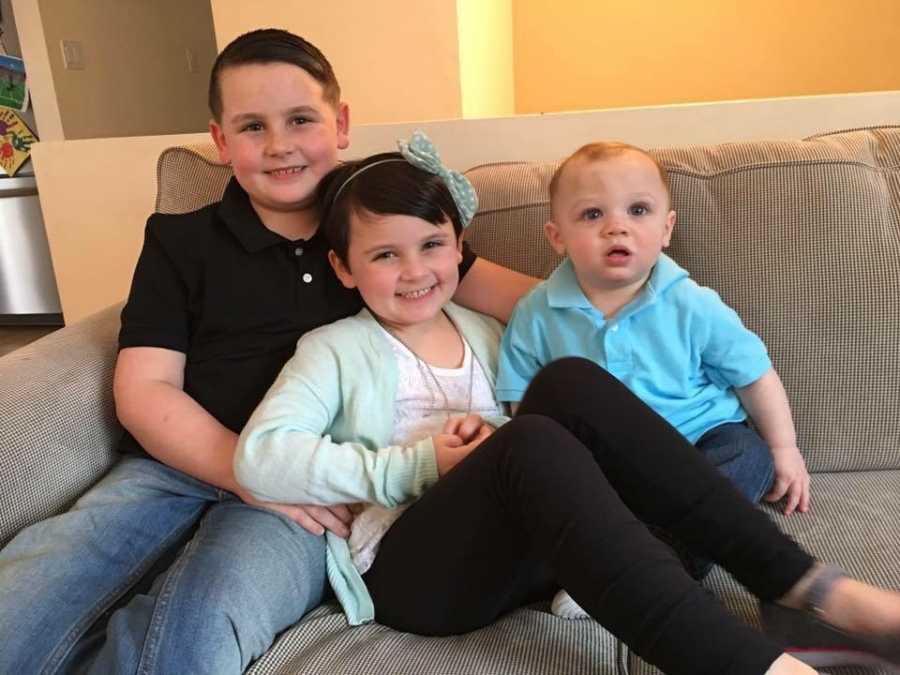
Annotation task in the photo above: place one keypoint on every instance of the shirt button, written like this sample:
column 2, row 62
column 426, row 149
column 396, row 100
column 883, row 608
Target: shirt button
column 615, row 327
column 298, row 251
column 307, row 277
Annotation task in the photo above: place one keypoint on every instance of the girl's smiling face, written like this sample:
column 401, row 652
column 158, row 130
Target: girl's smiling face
column 405, row 268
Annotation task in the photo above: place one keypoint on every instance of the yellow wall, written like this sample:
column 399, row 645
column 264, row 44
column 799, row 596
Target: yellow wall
column 572, row 54
column 486, row 57
column 396, row 60
column 135, row 80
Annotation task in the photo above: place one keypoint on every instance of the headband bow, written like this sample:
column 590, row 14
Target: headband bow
column 420, row 152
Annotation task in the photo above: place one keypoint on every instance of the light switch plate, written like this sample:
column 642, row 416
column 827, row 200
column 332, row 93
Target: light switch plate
column 73, row 55
column 191, row 59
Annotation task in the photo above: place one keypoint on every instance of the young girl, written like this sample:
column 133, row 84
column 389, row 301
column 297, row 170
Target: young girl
column 396, row 404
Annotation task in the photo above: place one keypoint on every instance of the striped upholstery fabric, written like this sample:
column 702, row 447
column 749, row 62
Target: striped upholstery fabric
column 189, row 177
column 525, row 642
column 58, row 433
column 802, row 238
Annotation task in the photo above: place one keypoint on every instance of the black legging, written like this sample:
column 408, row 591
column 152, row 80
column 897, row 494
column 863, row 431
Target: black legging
column 559, row 497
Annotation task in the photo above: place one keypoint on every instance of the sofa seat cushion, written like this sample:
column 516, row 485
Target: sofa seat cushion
column 528, row 641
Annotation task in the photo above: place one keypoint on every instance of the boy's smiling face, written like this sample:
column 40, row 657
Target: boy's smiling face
column 280, row 136
column 612, row 217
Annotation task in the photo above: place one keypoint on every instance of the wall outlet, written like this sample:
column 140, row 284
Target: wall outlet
column 191, row 59
column 72, row 54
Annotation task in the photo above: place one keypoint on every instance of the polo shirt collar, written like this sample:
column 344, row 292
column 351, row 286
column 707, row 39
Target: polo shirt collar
column 563, row 290
column 665, row 273
column 241, row 218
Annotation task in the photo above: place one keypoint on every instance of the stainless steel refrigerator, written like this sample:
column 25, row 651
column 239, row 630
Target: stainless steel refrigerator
column 28, row 292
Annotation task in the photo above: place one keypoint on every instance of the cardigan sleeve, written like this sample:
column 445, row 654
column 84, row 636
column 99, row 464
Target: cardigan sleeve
column 285, row 453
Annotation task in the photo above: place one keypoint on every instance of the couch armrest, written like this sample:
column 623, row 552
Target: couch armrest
column 58, row 431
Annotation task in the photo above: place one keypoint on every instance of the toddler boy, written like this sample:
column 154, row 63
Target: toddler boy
column 619, row 301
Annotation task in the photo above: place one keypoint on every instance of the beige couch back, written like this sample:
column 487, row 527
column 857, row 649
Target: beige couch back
column 802, row 238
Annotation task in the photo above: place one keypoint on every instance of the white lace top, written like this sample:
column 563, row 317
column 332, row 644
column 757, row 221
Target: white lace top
column 420, row 411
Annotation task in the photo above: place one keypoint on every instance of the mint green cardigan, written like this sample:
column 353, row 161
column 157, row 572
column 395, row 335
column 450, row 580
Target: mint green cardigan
column 321, row 435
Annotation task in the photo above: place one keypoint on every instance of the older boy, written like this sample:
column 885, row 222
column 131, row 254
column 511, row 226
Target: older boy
column 219, row 298
column 619, row 301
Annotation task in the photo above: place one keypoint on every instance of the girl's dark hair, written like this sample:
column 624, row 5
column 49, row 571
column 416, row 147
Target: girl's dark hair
column 393, row 187
column 272, row 45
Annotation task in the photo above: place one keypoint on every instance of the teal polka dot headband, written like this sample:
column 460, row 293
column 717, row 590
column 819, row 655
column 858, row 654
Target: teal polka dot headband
column 421, row 153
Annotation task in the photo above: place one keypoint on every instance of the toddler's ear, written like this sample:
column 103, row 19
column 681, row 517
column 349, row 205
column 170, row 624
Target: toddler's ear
column 551, row 231
column 670, row 225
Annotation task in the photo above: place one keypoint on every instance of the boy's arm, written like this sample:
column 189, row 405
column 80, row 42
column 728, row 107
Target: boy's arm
column 767, row 403
column 176, row 430
column 734, row 356
column 492, row 289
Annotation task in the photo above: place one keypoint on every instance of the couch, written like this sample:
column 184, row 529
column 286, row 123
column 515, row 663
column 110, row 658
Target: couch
column 802, row 237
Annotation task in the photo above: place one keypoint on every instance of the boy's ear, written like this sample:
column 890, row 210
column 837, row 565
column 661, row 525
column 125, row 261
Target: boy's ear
column 343, row 126
column 219, row 139
column 670, row 225
column 341, row 270
column 551, row 231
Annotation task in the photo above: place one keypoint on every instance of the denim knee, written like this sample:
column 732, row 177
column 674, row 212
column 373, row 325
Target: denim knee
column 740, row 454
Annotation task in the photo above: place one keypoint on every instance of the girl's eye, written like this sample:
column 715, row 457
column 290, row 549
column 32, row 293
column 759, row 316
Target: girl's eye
column 384, row 255
column 639, row 210
column 433, row 244
column 591, row 214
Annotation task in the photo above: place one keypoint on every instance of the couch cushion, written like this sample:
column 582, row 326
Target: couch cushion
column 59, row 433
column 802, row 238
column 527, row 641
column 189, row 177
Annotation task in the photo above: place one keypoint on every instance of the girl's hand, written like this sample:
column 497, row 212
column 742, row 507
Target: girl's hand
column 450, row 450
column 466, row 427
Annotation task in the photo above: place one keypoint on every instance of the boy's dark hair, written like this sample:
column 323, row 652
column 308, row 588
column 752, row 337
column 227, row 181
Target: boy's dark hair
column 272, row 45
column 384, row 184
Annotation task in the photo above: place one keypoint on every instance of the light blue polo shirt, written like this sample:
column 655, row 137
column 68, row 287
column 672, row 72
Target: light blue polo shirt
column 677, row 346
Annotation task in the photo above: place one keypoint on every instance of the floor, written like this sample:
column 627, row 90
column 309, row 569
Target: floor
column 13, row 337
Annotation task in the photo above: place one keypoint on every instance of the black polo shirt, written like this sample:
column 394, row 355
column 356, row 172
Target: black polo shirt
column 234, row 297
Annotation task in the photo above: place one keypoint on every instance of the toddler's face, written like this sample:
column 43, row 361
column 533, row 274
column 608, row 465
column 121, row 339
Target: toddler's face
column 405, row 268
column 612, row 218
column 279, row 134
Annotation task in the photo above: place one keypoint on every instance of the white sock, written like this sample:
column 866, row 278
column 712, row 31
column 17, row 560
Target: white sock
column 565, row 607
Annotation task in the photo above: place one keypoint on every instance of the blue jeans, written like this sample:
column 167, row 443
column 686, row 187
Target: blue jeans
column 740, row 454
column 243, row 575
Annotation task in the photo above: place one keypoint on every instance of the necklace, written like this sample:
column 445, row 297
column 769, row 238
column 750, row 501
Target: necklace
column 429, row 376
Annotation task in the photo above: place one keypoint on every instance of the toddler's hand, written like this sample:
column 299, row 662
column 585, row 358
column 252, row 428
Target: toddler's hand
column 791, row 480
